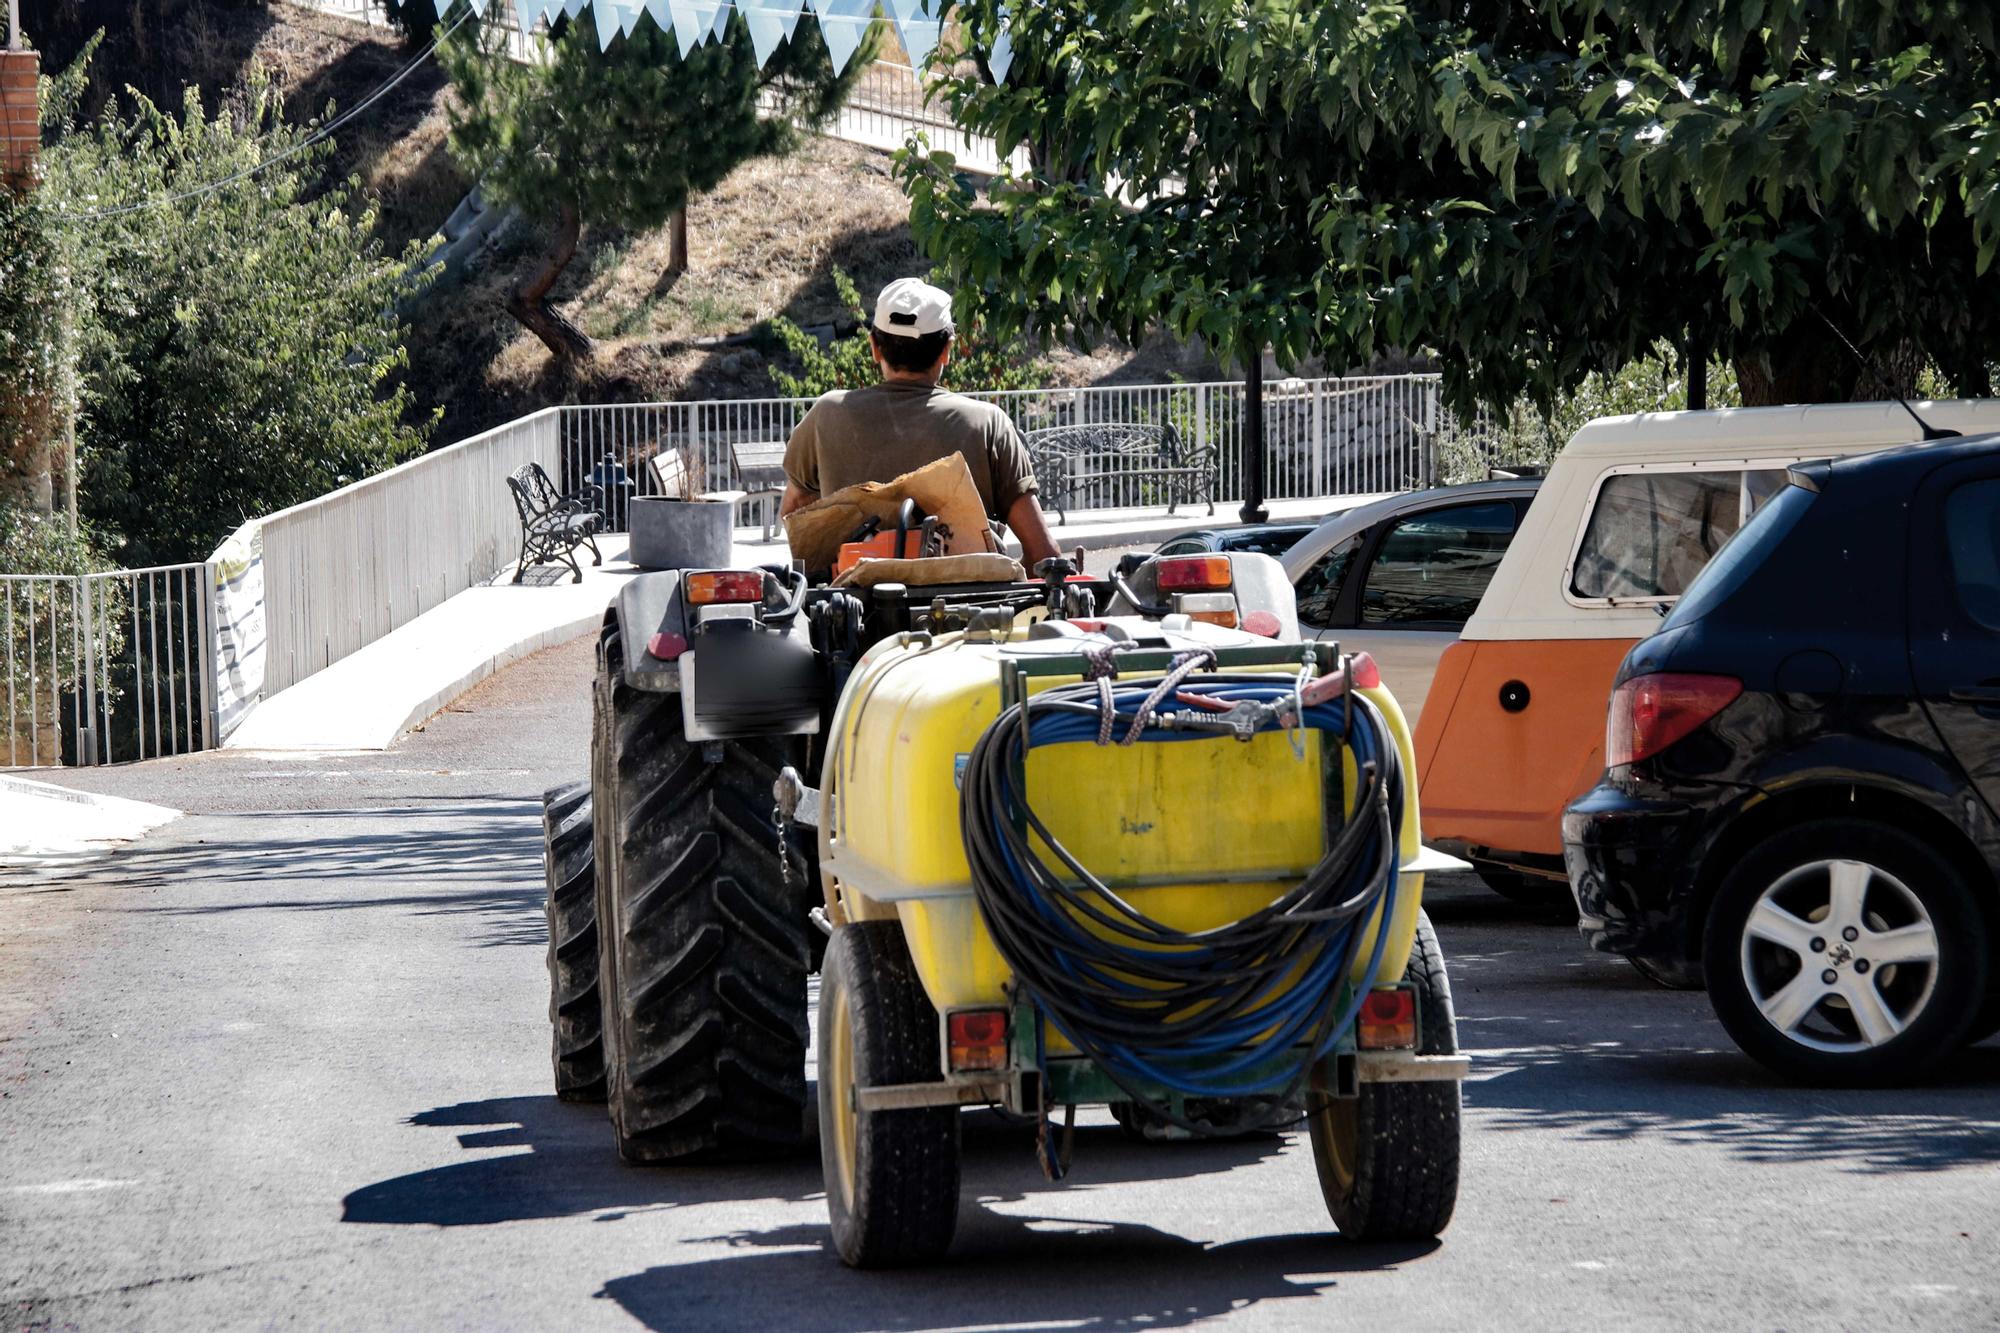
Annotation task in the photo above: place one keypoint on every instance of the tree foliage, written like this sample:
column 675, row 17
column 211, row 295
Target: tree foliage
column 234, row 349
column 623, row 135
column 1536, row 191
column 977, row 363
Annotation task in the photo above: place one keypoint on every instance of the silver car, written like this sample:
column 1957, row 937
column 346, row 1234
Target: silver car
column 1398, row 578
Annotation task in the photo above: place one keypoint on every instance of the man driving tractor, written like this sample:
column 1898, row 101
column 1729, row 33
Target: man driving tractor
column 879, row 433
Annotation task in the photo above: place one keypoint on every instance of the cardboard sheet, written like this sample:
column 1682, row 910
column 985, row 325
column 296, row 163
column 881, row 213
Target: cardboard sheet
column 943, row 488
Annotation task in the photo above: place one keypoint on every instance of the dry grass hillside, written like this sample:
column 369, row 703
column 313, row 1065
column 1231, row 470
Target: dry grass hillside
column 766, row 243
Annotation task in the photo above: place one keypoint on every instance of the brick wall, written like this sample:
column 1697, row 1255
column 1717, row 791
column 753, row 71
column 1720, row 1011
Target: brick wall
column 20, row 118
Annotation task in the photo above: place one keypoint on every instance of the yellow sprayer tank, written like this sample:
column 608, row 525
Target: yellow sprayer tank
column 1196, row 834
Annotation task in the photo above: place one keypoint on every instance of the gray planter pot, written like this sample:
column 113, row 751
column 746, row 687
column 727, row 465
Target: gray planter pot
column 680, row 534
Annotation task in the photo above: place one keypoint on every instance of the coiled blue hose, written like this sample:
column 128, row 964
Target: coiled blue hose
column 1246, row 1009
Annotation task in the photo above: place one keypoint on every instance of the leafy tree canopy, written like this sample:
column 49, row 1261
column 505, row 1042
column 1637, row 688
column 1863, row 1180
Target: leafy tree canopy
column 1535, row 191
column 230, row 351
column 622, row 136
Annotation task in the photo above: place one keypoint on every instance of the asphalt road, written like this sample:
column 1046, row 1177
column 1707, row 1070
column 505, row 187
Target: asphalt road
column 285, row 1064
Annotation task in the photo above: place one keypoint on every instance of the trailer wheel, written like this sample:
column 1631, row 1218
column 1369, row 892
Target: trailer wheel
column 891, row 1176
column 704, row 942
column 575, row 1013
column 1388, row 1159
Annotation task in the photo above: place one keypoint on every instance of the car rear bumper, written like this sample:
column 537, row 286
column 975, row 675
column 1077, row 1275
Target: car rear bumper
column 1632, row 863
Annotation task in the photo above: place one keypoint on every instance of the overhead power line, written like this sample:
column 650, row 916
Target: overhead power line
column 312, row 140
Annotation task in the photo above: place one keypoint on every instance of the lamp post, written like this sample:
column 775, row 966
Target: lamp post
column 1253, row 510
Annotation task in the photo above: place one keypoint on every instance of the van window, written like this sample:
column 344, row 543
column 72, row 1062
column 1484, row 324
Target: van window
column 1433, row 568
column 1650, row 533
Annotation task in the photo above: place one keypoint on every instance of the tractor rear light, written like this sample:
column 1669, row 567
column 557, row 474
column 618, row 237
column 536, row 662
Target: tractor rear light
column 1214, row 608
column 1649, row 713
column 976, row 1039
column 725, row 585
column 1388, row 1020
column 1193, row 573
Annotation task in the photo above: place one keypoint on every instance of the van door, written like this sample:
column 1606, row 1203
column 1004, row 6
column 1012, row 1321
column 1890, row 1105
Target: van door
column 1420, row 582
column 1955, row 614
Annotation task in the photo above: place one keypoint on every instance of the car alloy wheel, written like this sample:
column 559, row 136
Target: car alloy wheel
column 1840, row 956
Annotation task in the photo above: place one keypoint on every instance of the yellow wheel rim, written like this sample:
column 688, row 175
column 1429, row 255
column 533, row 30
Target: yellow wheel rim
column 840, row 1068
column 1336, row 1138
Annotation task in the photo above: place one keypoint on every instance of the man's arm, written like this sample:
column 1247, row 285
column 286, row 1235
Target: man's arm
column 796, row 497
column 1024, row 520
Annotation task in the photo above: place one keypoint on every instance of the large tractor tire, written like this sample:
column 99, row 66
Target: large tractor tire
column 1388, row 1159
column 575, row 1011
column 892, row 1176
column 704, row 941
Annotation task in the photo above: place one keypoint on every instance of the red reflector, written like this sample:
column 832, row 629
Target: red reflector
column 976, row 1038
column 1193, row 573
column 1649, row 713
column 1367, row 676
column 1262, row 622
column 666, row 647
column 725, row 585
column 1388, row 1020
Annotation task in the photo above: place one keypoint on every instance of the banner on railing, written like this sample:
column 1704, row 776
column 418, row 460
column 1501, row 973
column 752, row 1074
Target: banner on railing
column 239, row 626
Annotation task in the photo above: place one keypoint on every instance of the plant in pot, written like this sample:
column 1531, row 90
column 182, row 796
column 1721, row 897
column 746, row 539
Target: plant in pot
column 683, row 527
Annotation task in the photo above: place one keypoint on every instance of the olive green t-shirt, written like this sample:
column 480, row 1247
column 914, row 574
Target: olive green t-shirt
column 879, row 433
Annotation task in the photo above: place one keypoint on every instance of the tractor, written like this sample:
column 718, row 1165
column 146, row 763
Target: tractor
column 1122, row 841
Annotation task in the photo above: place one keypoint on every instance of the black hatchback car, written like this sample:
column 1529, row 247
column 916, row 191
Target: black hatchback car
column 1804, row 773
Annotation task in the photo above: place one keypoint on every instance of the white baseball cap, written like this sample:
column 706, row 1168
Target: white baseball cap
column 911, row 308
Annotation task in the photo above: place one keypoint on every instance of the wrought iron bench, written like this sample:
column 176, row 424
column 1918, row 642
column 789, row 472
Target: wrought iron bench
column 554, row 525
column 1135, row 459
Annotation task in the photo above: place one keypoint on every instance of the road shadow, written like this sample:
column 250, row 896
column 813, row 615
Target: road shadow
column 572, row 1168
column 483, row 862
column 1021, row 1272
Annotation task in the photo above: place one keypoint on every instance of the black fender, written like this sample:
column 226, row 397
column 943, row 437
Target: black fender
column 647, row 607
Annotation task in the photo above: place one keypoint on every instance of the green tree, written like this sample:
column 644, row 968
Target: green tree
column 622, row 136
column 1537, row 192
column 234, row 344
column 977, row 363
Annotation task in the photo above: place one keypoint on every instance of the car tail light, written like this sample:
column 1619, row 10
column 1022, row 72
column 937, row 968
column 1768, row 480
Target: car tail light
column 1193, row 573
column 976, row 1039
column 1216, row 608
column 1649, row 713
column 1388, row 1020
column 726, row 585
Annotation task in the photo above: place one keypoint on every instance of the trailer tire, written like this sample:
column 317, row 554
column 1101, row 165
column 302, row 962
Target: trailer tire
column 1388, row 1159
column 892, row 1177
column 576, row 1018
column 704, row 940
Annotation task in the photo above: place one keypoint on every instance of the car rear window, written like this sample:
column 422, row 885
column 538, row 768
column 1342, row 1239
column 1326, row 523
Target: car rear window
column 1741, row 555
column 1650, row 533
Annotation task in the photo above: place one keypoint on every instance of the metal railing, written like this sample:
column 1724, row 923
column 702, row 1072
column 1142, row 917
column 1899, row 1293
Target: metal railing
column 1322, row 437
column 341, row 571
column 102, row 668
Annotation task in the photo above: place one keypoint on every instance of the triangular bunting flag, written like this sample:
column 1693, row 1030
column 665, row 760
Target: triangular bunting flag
column 920, row 38
column 571, row 8
column 526, row 12
column 766, row 29
column 478, row 8
column 1002, row 57
column 720, row 28
column 608, row 20
column 663, row 16
column 843, row 23
column 692, row 20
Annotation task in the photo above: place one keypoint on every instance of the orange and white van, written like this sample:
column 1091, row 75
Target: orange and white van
column 1513, row 726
